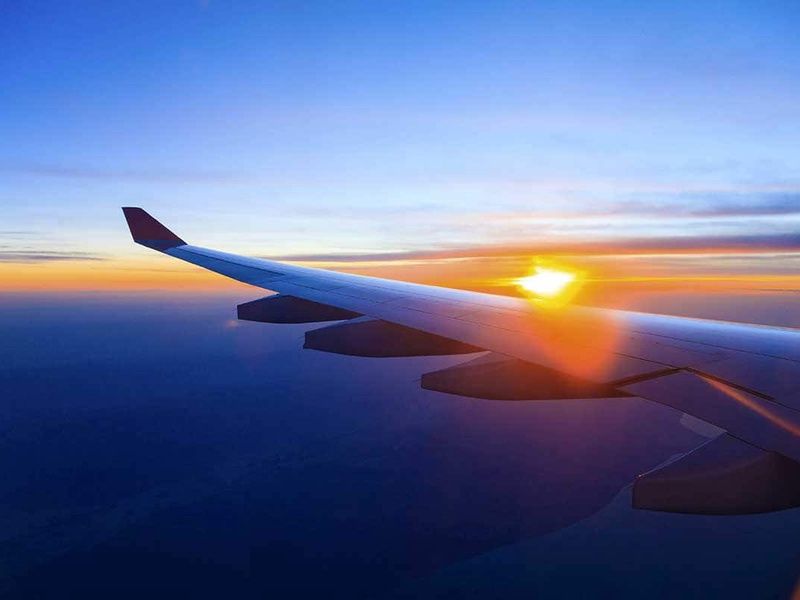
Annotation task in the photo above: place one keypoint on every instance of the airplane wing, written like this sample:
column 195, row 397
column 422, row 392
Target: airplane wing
column 744, row 379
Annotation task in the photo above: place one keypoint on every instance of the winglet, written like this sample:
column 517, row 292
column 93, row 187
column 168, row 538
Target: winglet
column 146, row 231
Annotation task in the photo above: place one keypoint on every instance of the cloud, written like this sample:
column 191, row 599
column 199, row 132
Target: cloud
column 111, row 174
column 679, row 205
column 741, row 244
column 713, row 205
column 35, row 256
column 775, row 204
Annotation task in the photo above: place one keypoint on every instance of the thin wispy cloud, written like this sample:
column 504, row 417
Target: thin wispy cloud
column 45, row 256
column 165, row 175
column 712, row 204
column 655, row 203
column 745, row 206
column 743, row 244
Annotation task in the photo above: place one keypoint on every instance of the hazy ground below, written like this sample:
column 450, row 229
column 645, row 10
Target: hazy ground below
column 156, row 447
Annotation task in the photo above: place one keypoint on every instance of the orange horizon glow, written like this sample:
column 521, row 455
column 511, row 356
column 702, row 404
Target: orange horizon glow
column 485, row 273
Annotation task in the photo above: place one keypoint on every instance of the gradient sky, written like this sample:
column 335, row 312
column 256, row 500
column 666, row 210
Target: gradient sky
column 402, row 136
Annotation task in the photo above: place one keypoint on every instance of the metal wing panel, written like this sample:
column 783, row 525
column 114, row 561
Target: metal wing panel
column 432, row 306
column 601, row 345
column 778, row 342
column 227, row 265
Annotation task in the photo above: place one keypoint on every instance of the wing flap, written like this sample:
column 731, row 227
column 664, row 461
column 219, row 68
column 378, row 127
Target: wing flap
column 744, row 414
column 777, row 378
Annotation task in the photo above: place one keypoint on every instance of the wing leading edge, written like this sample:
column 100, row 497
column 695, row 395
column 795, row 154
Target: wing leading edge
column 744, row 379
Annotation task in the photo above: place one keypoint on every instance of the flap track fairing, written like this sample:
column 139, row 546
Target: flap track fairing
column 376, row 338
column 290, row 309
column 499, row 377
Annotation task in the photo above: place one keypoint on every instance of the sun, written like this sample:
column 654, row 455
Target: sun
column 547, row 282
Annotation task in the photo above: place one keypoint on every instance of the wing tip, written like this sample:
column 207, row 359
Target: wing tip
column 148, row 231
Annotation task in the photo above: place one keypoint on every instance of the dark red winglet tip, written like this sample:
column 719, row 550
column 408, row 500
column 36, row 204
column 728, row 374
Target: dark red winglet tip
column 147, row 231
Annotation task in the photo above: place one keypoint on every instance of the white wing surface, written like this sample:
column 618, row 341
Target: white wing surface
column 745, row 379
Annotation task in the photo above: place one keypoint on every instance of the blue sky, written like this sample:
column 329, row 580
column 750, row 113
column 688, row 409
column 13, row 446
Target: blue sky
column 326, row 127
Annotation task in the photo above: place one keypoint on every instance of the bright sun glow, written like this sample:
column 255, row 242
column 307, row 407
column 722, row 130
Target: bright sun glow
column 546, row 282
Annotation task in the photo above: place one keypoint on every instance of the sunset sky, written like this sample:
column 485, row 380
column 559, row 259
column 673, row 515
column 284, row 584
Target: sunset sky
column 638, row 155
column 441, row 142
